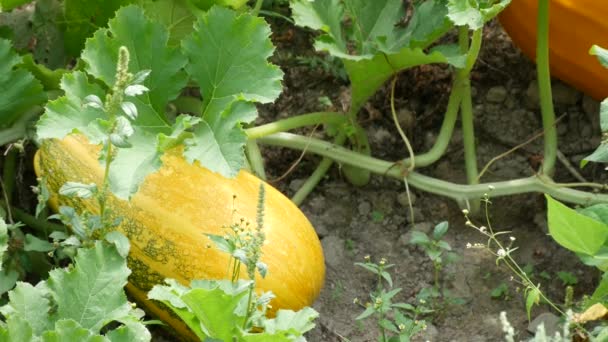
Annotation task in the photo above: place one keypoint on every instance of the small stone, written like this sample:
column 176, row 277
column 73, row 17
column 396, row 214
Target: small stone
column 532, row 95
column 364, row 208
column 424, row 227
column 407, row 119
column 496, row 94
column 550, row 321
column 333, row 248
column 403, row 200
column 381, row 135
column 565, row 94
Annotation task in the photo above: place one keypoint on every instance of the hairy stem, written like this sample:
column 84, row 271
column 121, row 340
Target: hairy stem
column 459, row 192
column 303, row 120
column 544, row 87
column 317, row 175
column 255, row 159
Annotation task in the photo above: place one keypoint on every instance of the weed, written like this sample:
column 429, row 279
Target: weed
column 395, row 321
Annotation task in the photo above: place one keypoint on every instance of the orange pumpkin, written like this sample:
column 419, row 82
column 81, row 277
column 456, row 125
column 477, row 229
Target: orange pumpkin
column 574, row 26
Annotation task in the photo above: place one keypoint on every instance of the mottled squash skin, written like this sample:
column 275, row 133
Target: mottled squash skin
column 167, row 218
column 574, row 26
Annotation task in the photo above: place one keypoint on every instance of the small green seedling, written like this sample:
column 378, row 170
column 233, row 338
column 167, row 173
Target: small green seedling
column 438, row 250
column 395, row 321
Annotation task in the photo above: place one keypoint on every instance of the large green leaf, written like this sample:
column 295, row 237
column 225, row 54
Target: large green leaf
column 177, row 17
column 20, row 90
column 228, row 55
column 575, row 231
column 147, row 44
column 70, row 330
column 92, row 292
column 30, row 304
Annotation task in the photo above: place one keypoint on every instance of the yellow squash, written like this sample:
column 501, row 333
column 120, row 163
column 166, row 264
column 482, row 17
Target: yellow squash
column 167, row 219
column 574, row 26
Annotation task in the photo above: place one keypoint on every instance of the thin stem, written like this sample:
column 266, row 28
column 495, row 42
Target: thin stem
column 37, row 224
column 447, row 127
column 249, row 298
column 460, row 193
column 468, row 129
column 544, row 87
column 410, row 150
column 317, row 175
column 106, row 183
column 8, row 174
column 255, row 159
column 303, row 120
column 256, row 9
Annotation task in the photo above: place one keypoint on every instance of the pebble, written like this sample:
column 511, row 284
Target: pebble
column 403, row 200
column 333, row 248
column 532, row 95
column 550, row 321
column 496, row 94
column 364, row 208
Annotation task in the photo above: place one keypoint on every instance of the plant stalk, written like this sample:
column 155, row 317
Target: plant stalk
column 298, row 121
column 544, row 87
column 459, row 192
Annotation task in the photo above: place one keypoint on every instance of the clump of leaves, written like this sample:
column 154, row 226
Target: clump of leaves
column 77, row 303
column 395, row 321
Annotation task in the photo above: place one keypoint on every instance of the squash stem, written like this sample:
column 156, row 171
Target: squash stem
column 466, row 108
column 544, row 87
column 256, row 9
column 254, row 156
column 318, row 174
column 459, row 192
column 298, row 121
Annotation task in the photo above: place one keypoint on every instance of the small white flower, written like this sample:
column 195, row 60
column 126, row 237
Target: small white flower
column 465, row 211
column 501, row 253
column 469, row 245
column 512, row 238
column 491, row 187
column 483, row 229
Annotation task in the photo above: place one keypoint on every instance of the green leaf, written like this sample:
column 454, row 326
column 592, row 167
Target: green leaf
column 325, row 15
column 83, row 17
column 601, row 54
column 120, row 241
column 8, row 279
column 228, row 55
column 219, row 140
column 216, row 311
column 75, row 189
column 7, row 5
column 575, row 231
column 69, row 114
column 598, row 212
column 419, row 238
column 33, row 243
column 292, row 322
column 98, row 277
column 148, row 50
column 367, row 75
column 175, row 15
column 474, row 13
column 170, row 295
column 440, row 230
column 70, row 330
column 600, row 155
column 30, row 304
column 532, row 298
column 20, row 90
